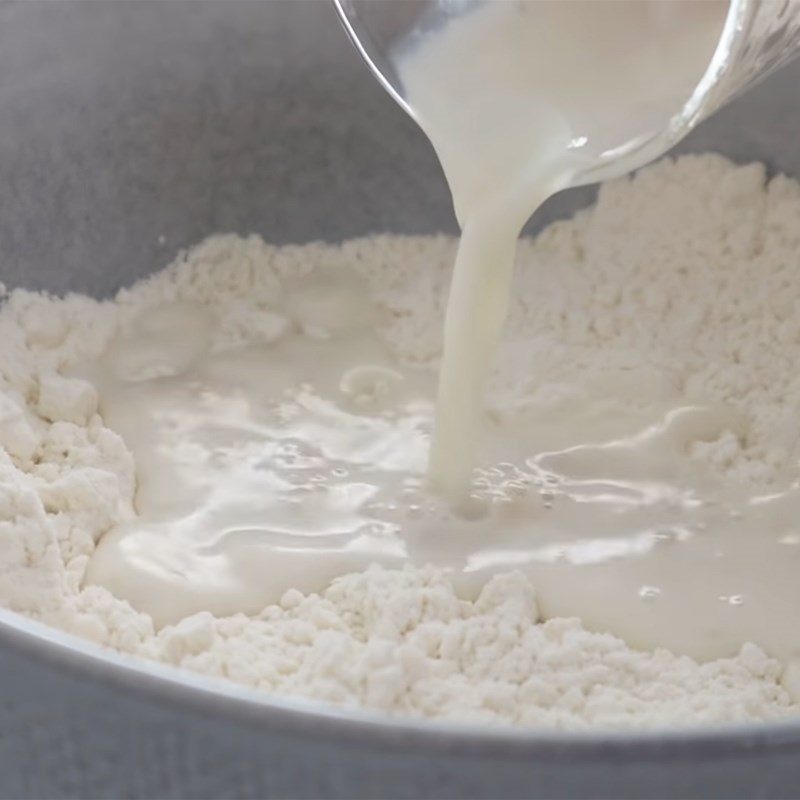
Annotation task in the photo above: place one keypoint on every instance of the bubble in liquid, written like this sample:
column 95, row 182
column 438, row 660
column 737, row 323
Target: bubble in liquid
column 732, row 599
column 649, row 593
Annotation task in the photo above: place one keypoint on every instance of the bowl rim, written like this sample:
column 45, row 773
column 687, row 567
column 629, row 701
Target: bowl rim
column 151, row 680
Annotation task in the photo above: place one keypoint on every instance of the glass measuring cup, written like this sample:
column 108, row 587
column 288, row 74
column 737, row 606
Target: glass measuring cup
column 758, row 36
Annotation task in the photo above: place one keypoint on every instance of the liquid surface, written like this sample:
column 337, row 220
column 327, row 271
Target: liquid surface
column 519, row 98
column 282, row 465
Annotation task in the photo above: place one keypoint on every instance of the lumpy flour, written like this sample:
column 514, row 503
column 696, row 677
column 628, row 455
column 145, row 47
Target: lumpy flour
column 681, row 281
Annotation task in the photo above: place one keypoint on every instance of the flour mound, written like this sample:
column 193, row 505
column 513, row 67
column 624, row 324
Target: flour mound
column 403, row 642
column 681, row 282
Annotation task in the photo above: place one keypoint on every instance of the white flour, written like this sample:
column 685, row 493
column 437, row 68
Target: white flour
column 685, row 276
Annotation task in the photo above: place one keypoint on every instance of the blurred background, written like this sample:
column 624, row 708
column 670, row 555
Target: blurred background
column 132, row 129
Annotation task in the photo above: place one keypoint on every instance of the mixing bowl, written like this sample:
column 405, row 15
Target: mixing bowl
column 130, row 130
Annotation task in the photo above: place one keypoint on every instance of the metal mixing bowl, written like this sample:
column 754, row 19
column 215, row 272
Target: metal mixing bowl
column 129, row 130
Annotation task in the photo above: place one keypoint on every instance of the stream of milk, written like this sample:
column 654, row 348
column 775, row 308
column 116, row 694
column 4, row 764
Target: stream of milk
column 518, row 99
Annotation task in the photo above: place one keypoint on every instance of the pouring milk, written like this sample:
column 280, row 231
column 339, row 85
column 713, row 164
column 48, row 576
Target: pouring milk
column 519, row 98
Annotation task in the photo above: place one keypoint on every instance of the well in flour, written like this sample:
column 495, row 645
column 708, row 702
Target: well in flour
column 666, row 305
